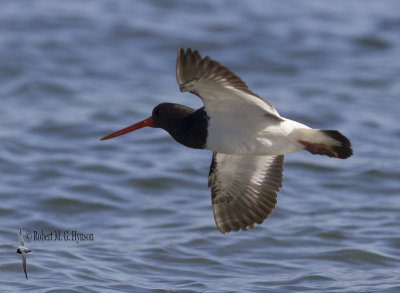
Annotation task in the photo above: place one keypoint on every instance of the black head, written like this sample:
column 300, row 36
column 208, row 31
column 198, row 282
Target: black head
column 186, row 125
column 168, row 115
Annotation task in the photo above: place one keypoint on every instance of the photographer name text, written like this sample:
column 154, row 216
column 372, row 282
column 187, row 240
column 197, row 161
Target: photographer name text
column 58, row 235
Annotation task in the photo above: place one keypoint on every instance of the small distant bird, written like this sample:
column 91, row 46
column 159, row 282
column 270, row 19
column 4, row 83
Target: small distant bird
column 23, row 251
column 246, row 134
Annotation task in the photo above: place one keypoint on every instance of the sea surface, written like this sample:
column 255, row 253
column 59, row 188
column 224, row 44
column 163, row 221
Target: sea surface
column 134, row 214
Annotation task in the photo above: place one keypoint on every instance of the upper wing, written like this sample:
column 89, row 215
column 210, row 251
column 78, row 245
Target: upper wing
column 21, row 238
column 243, row 189
column 219, row 88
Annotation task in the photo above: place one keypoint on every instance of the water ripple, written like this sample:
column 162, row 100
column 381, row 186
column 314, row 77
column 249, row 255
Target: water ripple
column 72, row 72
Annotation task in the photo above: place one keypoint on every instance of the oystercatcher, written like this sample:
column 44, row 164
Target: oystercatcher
column 247, row 135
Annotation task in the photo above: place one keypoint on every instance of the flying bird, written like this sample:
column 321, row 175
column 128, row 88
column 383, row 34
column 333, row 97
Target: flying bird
column 247, row 135
column 23, row 251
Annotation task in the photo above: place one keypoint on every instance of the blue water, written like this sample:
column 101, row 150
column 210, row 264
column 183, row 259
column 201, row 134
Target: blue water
column 73, row 71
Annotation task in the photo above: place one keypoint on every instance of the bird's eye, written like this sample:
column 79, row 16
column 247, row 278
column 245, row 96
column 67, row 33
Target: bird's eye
column 160, row 112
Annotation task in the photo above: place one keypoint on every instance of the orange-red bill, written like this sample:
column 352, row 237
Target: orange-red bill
column 141, row 124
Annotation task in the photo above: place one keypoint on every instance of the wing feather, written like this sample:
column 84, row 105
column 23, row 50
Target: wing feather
column 24, row 263
column 216, row 85
column 244, row 189
column 21, row 238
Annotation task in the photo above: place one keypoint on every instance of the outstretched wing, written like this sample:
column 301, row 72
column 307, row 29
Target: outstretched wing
column 21, row 238
column 219, row 88
column 244, row 189
column 24, row 263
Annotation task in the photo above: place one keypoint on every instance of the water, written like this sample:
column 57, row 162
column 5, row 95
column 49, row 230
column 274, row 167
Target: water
column 73, row 71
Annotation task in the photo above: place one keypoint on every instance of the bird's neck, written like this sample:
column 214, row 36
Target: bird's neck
column 191, row 131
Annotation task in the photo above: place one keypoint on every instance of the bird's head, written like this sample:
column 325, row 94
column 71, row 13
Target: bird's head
column 164, row 116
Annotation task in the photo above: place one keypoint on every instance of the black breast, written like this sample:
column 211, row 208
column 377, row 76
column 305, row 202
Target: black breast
column 194, row 130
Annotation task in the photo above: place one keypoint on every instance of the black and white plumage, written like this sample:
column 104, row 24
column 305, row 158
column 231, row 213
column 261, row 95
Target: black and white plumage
column 247, row 135
column 23, row 251
column 243, row 189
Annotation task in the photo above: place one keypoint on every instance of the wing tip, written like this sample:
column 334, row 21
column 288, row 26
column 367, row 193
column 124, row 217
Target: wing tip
column 183, row 58
column 227, row 230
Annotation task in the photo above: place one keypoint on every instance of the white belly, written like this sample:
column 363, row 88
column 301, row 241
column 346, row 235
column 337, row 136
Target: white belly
column 248, row 137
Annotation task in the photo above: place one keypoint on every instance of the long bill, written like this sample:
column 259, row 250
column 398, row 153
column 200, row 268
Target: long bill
column 136, row 126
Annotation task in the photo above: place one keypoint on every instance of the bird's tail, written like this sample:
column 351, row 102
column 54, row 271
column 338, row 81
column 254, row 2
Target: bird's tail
column 330, row 143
